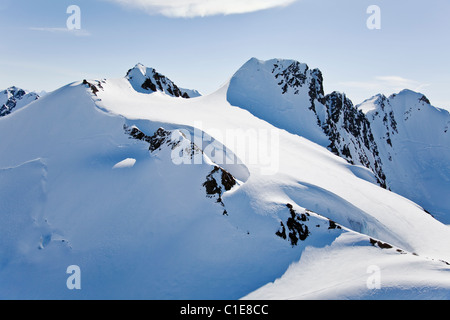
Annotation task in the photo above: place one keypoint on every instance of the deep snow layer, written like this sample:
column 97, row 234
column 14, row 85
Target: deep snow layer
column 414, row 147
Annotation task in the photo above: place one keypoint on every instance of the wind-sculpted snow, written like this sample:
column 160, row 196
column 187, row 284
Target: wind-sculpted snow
column 154, row 196
column 400, row 138
column 218, row 181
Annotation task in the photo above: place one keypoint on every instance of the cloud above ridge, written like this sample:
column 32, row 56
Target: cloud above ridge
column 202, row 8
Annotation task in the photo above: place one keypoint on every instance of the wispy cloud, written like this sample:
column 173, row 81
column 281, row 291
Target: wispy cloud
column 401, row 83
column 75, row 32
column 202, row 8
column 388, row 84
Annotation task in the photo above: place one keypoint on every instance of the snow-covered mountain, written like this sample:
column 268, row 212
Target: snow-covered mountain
column 402, row 139
column 155, row 196
column 147, row 80
column 286, row 93
column 414, row 148
column 15, row 98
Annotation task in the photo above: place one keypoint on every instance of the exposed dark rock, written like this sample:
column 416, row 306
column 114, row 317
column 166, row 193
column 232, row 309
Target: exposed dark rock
column 155, row 81
column 291, row 77
column 15, row 95
column 148, row 85
column 218, row 181
column 425, row 100
column 298, row 231
column 282, row 233
column 93, row 87
column 333, row 225
column 381, row 245
column 428, row 212
column 443, row 261
column 345, row 126
column 155, row 141
column 215, row 186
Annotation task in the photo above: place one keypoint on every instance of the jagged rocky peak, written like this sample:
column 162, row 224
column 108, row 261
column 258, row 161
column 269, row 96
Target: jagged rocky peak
column 293, row 75
column 403, row 102
column 406, row 112
column 286, row 93
column 14, row 98
column 350, row 135
column 148, row 80
column 14, row 92
column 218, row 181
column 281, row 83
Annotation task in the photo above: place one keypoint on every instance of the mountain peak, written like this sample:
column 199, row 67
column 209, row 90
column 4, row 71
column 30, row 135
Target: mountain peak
column 14, row 98
column 283, row 92
column 148, row 80
column 411, row 96
column 141, row 68
column 289, row 75
column 192, row 191
column 403, row 102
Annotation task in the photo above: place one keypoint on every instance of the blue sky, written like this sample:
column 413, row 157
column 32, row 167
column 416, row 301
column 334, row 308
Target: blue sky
column 411, row 50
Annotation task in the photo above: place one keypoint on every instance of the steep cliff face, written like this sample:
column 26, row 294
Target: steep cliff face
column 350, row 135
column 290, row 95
column 285, row 93
column 402, row 139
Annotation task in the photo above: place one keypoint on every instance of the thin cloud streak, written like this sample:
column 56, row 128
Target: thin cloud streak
column 75, row 32
column 386, row 84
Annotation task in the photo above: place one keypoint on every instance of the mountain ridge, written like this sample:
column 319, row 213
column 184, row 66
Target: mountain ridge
column 147, row 193
column 351, row 131
column 14, row 98
column 331, row 120
column 148, row 80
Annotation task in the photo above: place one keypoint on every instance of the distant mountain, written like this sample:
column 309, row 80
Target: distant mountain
column 267, row 188
column 15, row 98
column 414, row 148
column 147, row 80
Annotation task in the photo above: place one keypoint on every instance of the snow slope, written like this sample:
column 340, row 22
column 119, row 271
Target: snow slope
column 282, row 92
column 403, row 139
column 156, row 196
column 338, row 272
